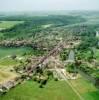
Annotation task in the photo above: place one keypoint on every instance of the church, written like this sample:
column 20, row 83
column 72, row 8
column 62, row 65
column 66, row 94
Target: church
column 97, row 34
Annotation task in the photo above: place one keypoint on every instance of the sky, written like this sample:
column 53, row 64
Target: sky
column 48, row 5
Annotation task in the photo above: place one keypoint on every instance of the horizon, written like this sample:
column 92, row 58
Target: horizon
column 47, row 5
column 57, row 12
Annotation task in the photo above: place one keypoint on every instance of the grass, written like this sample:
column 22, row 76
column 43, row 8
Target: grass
column 13, row 51
column 86, row 89
column 8, row 62
column 47, row 25
column 52, row 91
column 4, row 52
column 9, row 24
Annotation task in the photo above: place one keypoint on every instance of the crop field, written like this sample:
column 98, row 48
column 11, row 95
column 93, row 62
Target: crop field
column 4, row 76
column 52, row 91
column 8, row 24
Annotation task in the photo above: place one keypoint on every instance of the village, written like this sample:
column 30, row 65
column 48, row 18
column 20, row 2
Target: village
column 56, row 55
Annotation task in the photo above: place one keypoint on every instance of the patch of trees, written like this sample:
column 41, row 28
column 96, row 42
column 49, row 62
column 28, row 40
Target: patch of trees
column 87, row 34
column 85, row 68
column 34, row 24
column 92, row 72
column 64, row 54
column 84, row 30
column 71, row 68
column 88, row 42
column 85, row 55
column 42, row 76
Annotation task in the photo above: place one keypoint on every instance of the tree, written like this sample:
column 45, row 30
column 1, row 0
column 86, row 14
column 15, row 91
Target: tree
column 13, row 57
column 71, row 68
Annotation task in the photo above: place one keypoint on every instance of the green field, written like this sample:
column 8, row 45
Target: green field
column 4, row 52
column 31, row 91
column 86, row 89
column 8, row 62
column 8, row 24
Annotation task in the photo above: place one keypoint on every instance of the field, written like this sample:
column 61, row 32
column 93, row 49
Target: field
column 86, row 89
column 8, row 24
column 31, row 91
column 4, row 76
column 53, row 90
column 7, row 63
column 4, row 52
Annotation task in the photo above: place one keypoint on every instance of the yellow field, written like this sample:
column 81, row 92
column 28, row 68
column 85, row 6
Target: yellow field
column 6, row 76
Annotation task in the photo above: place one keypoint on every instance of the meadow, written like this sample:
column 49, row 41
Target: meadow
column 53, row 90
column 30, row 90
column 8, row 24
column 85, row 88
column 4, row 51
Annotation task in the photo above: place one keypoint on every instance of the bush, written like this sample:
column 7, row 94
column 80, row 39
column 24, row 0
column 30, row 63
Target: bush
column 34, row 79
column 38, row 80
column 44, row 81
column 40, row 86
column 13, row 56
column 63, row 55
column 71, row 68
column 56, row 79
column 49, row 74
column 23, row 76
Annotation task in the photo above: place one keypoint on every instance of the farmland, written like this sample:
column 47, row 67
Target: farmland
column 4, row 76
